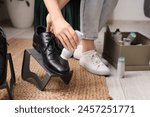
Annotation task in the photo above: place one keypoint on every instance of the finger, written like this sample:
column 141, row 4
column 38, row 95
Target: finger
column 48, row 27
column 62, row 41
column 51, row 29
column 66, row 40
column 70, row 38
column 72, row 32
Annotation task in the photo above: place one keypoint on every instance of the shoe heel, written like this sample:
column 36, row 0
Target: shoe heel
column 36, row 47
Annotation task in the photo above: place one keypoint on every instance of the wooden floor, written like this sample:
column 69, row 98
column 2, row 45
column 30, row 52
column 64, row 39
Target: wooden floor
column 135, row 85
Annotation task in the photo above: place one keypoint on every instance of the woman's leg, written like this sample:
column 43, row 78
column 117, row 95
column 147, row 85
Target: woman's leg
column 90, row 12
column 90, row 17
column 108, row 7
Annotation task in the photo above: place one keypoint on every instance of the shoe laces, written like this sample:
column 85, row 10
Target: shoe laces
column 50, row 42
column 96, row 59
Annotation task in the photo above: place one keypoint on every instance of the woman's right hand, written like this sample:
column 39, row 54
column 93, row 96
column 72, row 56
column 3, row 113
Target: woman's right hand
column 63, row 31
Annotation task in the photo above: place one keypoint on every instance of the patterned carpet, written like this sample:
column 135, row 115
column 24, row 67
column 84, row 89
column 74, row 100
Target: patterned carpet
column 83, row 86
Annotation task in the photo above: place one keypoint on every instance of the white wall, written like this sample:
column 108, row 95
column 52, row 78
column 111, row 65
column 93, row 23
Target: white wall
column 129, row 10
column 3, row 11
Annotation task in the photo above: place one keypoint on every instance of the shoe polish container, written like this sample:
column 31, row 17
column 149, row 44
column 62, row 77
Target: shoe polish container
column 129, row 39
column 66, row 54
column 121, row 67
column 132, row 36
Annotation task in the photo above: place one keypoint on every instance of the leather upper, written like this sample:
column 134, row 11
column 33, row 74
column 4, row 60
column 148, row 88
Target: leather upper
column 45, row 43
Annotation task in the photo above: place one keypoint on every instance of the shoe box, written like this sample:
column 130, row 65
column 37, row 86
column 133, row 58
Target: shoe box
column 137, row 55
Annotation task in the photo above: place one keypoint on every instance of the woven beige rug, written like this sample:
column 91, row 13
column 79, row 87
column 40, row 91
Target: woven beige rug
column 83, row 86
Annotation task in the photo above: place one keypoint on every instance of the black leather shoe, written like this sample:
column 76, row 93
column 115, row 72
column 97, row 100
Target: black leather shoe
column 45, row 43
column 3, row 57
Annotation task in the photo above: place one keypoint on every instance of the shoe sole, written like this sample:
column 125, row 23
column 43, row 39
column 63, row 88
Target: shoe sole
column 37, row 48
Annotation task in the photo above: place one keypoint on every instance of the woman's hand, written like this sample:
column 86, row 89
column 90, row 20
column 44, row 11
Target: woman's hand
column 63, row 31
column 48, row 23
